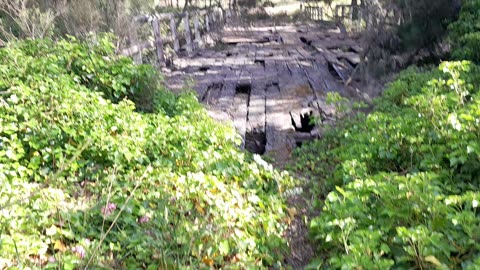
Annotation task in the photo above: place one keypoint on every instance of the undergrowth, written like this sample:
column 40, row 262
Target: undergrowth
column 398, row 188
column 101, row 168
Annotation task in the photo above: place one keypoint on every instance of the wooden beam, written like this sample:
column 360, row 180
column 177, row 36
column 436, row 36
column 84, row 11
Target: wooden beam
column 188, row 34
column 173, row 31
column 158, row 42
column 196, row 24
column 207, row 22
column 137, row 48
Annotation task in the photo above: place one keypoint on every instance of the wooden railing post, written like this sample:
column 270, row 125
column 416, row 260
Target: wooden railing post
column 188, row 34
column 221, row 17
column 207, row 21
column 212, row 19
column 228, row 16
column 158, row 42
column 196, row 24
column 137, row 57
column 173, row 30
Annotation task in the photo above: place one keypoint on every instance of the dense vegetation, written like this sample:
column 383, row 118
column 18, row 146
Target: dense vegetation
column 465, row 32
column 90, row 181
column 401, row 184
column 404, row 179
column 100, row 167
column 399, row 187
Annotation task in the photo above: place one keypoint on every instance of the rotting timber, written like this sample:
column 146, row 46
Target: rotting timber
column 271, row 81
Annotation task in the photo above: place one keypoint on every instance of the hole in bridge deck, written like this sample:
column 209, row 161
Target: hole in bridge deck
column 350, row 49
column 351, row 62
column 306, row 122
column 229, row 54
column 334, row 72
column 255, row 141
column 243, row 88
column 304, row 40
column 203, row 69
column 260, row 62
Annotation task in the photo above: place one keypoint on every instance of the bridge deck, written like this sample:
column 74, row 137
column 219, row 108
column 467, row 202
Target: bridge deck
column 269, row 81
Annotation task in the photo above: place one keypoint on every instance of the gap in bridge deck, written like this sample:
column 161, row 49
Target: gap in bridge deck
column 304, row 123
column 260, row 62
column 352, row 63
column 243, row 88
column 334, row 72
column 305, row 41
column 255, row 141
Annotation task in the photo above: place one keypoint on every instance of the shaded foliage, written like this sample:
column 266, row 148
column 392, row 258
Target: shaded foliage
column 465, row 33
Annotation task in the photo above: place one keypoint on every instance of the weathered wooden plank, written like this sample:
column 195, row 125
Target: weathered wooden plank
column 270, row 66
column 257, row 107
column 352, row 57
column 137, row 49
column 294, row 68
column 330, row 83
column 282, row 68
column 316, row 83
column 227, row 97
column 213, row 94
column 341, row 70
column 243, row 39
column 201, row 89
column 239, row 114
column 304, row 53
column 278, row 124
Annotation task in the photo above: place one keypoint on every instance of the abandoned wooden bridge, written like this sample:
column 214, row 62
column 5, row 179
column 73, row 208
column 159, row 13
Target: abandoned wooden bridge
column 270, row 81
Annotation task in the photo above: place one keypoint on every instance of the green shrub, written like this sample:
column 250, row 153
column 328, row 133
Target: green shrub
column 87, row 182
column 465, row 33
column 401, row 184
column 91, row 63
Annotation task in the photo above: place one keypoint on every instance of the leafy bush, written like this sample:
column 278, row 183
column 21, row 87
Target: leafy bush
column 401, row 184
column 92, row 64
column 465, row 33
column 87, row 182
